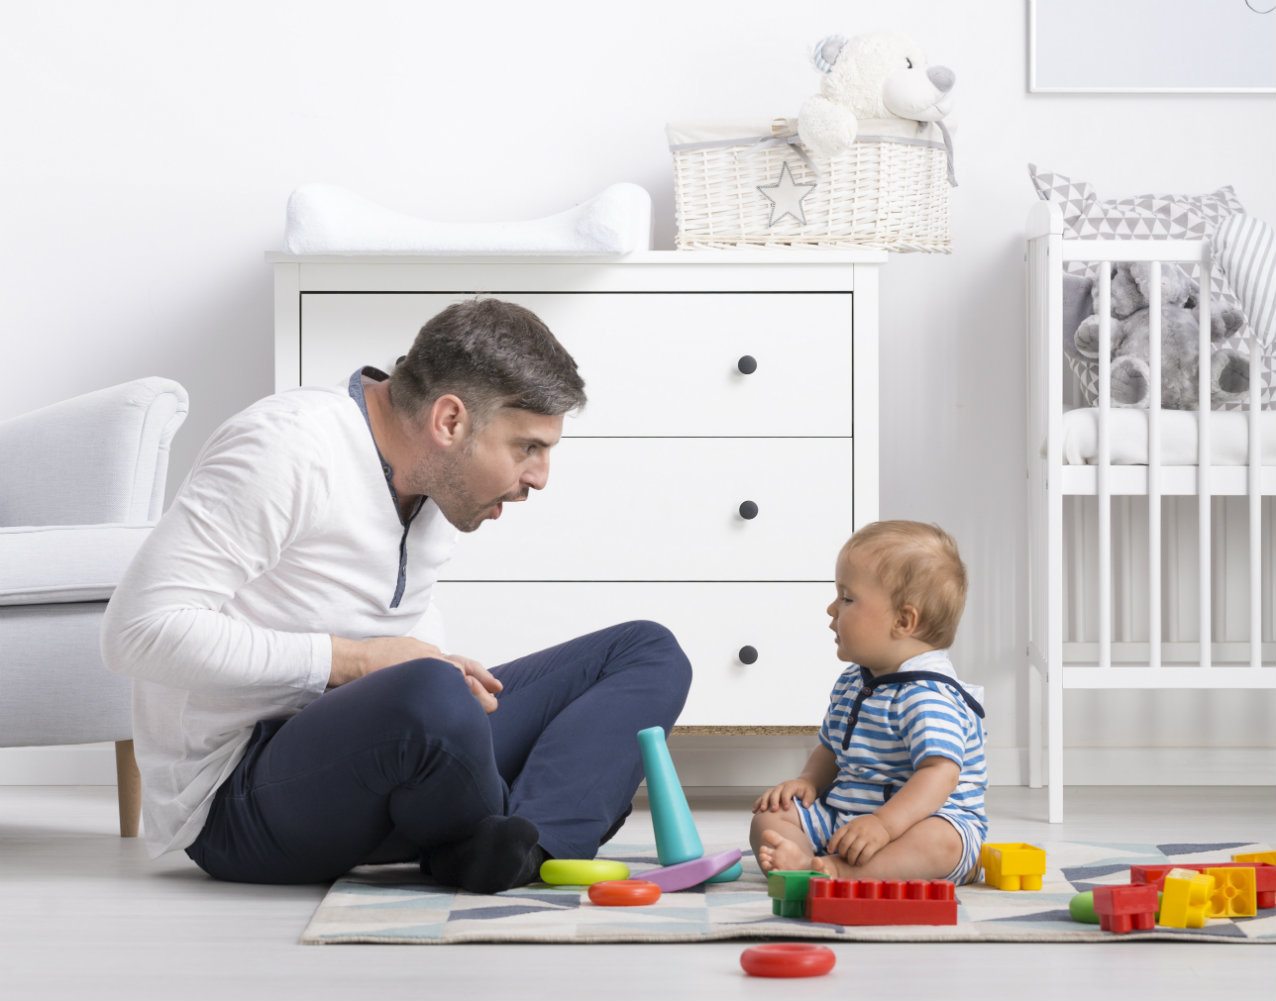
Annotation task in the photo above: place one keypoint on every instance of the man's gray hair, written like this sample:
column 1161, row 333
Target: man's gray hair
column 491, row 354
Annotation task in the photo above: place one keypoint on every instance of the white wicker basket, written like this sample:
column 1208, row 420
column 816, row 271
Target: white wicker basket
column 889, row 191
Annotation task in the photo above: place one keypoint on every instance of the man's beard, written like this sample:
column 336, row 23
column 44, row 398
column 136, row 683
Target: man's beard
column 446, row 472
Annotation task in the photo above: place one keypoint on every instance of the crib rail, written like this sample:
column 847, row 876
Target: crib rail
column 1105, row 663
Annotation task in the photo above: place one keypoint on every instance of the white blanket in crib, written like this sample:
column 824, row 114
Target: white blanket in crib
column 1128, row 434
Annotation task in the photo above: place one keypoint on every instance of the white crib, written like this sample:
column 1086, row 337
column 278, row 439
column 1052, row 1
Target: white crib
column 1125, row 591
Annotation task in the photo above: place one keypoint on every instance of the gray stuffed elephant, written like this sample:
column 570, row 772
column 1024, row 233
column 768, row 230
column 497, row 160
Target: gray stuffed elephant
column 1180, row 341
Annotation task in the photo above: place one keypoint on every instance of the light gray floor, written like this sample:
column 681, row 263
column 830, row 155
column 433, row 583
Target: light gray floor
column 84, row 914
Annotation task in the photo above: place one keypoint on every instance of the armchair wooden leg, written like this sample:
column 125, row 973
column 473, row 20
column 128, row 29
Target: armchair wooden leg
column 129, row 782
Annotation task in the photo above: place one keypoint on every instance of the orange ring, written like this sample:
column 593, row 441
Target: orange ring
column 787, row 959
column 624, row 892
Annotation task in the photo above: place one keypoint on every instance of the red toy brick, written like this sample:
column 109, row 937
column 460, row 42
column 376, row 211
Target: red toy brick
column 1126, row 908
column 1264, row 876
column 882, row 902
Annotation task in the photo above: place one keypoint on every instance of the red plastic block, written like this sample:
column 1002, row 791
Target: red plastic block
column 1264, row 876
column 1125, row 908
column 882, row 902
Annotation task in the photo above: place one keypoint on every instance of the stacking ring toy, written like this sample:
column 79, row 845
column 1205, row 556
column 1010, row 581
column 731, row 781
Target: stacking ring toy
column 787, row 959
column 724, row 866
column 624, row 892
column 581, row 871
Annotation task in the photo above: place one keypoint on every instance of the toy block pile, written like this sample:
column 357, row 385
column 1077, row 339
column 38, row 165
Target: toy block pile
column 1188, row 895
column 1172, row 896
column 828, row 900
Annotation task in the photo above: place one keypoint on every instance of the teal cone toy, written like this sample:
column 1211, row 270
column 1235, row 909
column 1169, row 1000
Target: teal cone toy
column 677, row 839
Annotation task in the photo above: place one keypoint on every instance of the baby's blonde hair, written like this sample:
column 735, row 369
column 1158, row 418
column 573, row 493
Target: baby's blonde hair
column 918, row 565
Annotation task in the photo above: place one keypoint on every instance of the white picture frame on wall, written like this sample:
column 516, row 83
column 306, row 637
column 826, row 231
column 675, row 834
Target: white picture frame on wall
column 1152, row 46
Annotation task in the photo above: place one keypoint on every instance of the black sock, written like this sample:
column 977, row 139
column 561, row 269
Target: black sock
column 500, row 854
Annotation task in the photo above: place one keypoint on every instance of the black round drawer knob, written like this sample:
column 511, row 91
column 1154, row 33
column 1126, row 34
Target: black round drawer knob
column 748, row 510
column 747, row 365
column 748, row 655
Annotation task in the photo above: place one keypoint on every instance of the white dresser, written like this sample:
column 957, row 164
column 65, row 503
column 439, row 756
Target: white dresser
column 729, row 447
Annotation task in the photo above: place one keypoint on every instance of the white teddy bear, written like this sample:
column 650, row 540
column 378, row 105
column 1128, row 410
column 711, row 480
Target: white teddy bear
column 878, row 75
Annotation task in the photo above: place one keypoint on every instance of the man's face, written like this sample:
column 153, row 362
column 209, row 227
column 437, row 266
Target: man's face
column 499, row 464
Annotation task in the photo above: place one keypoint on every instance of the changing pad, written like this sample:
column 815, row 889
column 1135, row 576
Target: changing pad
column 1128, row 435
column 326, row 219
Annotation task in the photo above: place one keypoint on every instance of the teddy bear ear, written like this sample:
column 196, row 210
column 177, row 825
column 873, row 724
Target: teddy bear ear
column 826, row 51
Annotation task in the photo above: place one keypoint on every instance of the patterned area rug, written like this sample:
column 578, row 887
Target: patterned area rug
column 395, row 904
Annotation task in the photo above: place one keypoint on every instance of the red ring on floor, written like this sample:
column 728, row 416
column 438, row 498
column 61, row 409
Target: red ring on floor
column 624, row 892
column 787, row 959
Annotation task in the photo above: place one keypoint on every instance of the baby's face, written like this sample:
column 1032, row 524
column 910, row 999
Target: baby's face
column 861, row 612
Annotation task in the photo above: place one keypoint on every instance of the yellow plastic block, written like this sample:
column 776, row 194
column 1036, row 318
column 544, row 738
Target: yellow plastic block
column 1185, row 899
column 1235, row 893
column 1268, row 857
column 1012, row 865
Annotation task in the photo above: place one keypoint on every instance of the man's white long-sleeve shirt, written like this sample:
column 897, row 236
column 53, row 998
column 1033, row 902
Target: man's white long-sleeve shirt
column 285, row 532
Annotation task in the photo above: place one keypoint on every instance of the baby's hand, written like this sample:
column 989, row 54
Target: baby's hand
column 859, row 840
column 781, row 797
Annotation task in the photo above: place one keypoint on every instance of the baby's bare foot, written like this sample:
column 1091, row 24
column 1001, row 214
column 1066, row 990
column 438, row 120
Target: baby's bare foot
column 778, row 852
column 831, row 865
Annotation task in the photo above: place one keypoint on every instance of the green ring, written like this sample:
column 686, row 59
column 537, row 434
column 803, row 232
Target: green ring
column 581, row 872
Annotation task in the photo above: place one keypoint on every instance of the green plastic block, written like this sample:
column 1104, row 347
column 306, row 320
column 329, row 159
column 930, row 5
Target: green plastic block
column 790, row 884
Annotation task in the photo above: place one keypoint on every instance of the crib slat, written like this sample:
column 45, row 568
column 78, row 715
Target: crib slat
column 1154, row 467
column 1204, row 501
column 1255, row 511
column 1104, row 467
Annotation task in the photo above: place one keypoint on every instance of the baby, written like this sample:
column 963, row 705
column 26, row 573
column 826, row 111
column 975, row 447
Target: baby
column 895, row 788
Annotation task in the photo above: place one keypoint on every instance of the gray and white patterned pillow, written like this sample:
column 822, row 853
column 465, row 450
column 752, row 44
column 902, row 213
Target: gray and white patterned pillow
column 1151, row 217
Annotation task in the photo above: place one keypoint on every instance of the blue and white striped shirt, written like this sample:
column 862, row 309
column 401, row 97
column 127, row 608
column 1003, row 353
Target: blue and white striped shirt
column 899, row 723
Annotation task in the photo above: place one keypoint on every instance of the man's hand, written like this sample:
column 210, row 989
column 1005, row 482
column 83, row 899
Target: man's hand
column 352, row 659
column 860, row 840
column 781, row 797
column 482, row 685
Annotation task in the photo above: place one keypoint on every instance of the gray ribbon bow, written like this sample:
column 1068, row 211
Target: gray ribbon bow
column 789, row 139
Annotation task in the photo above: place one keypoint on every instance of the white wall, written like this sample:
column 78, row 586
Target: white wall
column 150, row 147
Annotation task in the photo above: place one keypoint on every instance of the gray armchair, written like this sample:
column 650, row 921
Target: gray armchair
column 81, row 483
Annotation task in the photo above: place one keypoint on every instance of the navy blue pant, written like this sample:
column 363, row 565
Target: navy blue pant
column 404, row 760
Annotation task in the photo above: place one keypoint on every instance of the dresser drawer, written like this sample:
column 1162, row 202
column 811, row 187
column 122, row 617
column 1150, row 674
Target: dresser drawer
column 662, row 364
column 669, row 509
column 787, row 685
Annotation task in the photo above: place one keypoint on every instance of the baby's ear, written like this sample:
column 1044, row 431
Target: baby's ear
column 907, row 620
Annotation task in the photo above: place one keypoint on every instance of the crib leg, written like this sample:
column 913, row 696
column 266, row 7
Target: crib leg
column 1034, row 727
column 1054, row 754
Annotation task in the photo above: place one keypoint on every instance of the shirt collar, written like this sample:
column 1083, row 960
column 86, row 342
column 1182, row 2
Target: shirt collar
column 355, row 387
column 935, row 661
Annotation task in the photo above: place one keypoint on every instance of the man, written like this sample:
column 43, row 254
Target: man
column 294, row 715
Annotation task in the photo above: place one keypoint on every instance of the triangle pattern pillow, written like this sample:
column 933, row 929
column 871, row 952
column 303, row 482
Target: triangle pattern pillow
column 1150, row 217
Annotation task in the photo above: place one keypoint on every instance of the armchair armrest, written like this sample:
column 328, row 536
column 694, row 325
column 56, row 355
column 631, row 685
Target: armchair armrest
column 97, row 458
column 55, row 564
